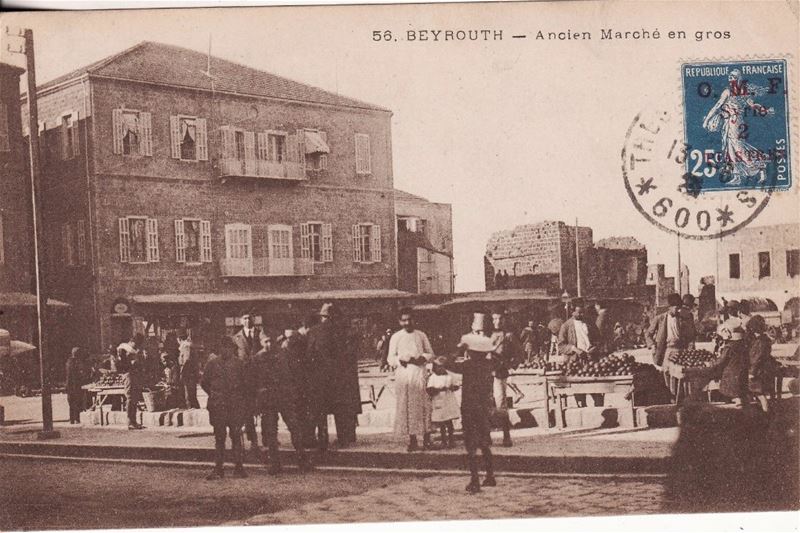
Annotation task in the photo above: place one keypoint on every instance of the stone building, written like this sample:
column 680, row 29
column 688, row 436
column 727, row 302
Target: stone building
column 663, row 285
column 617, row 268
column 424, row 245
column 761, row 263
column 539, row 256
column 184, row 189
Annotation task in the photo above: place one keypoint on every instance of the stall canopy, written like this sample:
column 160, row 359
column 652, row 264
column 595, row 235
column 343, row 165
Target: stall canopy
column 24, row 299
column 9, row 347
column 252, row 297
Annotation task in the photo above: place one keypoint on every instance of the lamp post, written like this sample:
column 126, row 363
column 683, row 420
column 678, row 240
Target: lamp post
column 565, row 297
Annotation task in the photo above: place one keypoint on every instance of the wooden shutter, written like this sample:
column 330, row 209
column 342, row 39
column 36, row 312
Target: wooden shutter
column 363, row 164
column 152, row 240
column 305, row 241
column 301, row 148
column 74, row 130
column 375, row 249
column 124, row 241
column 250, row 153
column 146, row 134
column 201, row 139
column 357, row 244
column 180, row 242
column 327, row 243
column 292, row 153
column 205, row 241
column 118, row 123
column 262, row 146
column 175, row 137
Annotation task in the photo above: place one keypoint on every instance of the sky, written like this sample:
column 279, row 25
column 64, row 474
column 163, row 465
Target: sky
column 509, row 132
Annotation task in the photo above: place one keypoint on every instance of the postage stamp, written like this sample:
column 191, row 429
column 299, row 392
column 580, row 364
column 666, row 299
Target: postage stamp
column 736, row 125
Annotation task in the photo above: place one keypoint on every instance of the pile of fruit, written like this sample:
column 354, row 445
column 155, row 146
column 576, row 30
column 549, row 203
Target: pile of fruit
column 111, row 380
column 586, row 365
column 538, row 363
column 692, row 358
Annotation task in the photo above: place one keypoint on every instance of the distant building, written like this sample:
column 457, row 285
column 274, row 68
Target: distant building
column 424, row 245
column 664, row 286
column 617, row 268
column 761, row 262
column 685, row 285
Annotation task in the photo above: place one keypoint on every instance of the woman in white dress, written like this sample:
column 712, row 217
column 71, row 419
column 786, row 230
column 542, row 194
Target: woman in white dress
column 409, row 352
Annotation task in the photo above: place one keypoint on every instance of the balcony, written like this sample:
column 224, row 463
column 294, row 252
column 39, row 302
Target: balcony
column 260, row 267
column 260, row 168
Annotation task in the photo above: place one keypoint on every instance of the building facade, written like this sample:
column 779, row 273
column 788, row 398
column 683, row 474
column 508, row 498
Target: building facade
column 183, row 189
column 424, row 245
column 761, row 262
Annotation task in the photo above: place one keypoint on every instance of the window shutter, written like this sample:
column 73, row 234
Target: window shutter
column 152, row 240
column 263, row 148
column 74, row 121
column 205, row 240
column 124, row 241
column 292, row 153
column 64, row 132
column 180, row 242
column 175, row 136
column 305, row 241
column 119, row 132
column 375, row 235
column 250, row 152
column 81, row 231
column 323, row 161
column 301, row 148
column 357, row 244
column 201, row 130
column 363, row 165
column 327, row 243
column 146, row 125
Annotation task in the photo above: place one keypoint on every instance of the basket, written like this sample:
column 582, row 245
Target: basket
column 154, row 400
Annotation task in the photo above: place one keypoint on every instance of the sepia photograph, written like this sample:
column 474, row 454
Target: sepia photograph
column 400, row 263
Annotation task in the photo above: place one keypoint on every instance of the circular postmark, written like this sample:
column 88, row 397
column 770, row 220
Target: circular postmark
column 654, row 168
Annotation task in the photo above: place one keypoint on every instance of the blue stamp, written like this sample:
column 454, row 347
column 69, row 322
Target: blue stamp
column 736, row 125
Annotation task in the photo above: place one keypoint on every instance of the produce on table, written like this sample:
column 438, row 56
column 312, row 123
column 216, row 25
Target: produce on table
column 692, row 358
column 111, row 380
column 538, row 363
column 589, row 365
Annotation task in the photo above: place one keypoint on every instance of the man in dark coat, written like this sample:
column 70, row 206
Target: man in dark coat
column 279, row 391
column 335, row 380
column 577, row 336
column 247, row 345
column 131, row 365
column 224, row 382
column 76, row 378
column 669, row 333
column 189, row 374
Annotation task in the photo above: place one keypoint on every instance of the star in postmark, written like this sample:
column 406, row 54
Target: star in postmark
column 645, row 186
column 725, row 216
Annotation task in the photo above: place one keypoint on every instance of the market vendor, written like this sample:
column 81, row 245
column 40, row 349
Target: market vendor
column 130, row 365
column 578, row 336
column 669, row 333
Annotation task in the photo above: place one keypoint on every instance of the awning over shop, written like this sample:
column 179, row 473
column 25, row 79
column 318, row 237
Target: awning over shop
column 315, row 144
column 24, row 299
column 251, row 297
column 501, row 296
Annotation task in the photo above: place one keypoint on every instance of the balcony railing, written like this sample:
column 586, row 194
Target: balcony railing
column 260, row 168
column 265, row 267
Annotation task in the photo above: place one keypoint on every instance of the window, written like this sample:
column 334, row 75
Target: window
column 189, row 138
column 68, row 245
column 70, row 140
column 280, row 242
column 81, row 237
column 2, row 243
column 133, row 134
column 276, row 147
column 315, row 145
column 238, row 244
column 363, row 160
column 192, row 241
column 366, row 243
column 764, row 266
column 5, row 145
column 138, row 240
column 734, row 268
column 316, row 242
column 792, row 262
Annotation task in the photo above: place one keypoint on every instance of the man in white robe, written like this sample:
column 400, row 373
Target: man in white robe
column 409, row 352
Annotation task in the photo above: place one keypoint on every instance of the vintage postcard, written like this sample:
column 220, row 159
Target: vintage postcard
column 399, row 263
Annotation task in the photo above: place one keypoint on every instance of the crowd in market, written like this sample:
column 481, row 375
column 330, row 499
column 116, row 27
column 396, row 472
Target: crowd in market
column 306, row 374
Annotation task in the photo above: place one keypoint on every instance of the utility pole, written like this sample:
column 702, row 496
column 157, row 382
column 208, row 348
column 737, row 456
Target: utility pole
column 577, row 258
column 41, row 300
column 680, row 269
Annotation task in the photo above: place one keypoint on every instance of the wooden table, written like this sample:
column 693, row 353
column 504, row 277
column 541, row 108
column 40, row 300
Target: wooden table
column 565, row 386
column 101, row 395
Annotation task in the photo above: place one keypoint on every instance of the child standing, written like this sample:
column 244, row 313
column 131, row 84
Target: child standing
column 441, row 387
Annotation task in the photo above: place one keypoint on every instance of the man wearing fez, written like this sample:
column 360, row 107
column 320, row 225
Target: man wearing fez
column 335, row 380
column 476, row 399
column 578, row 336
column 247, row 341
column 669, row 333
column 409, row 352
column 224, row 381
